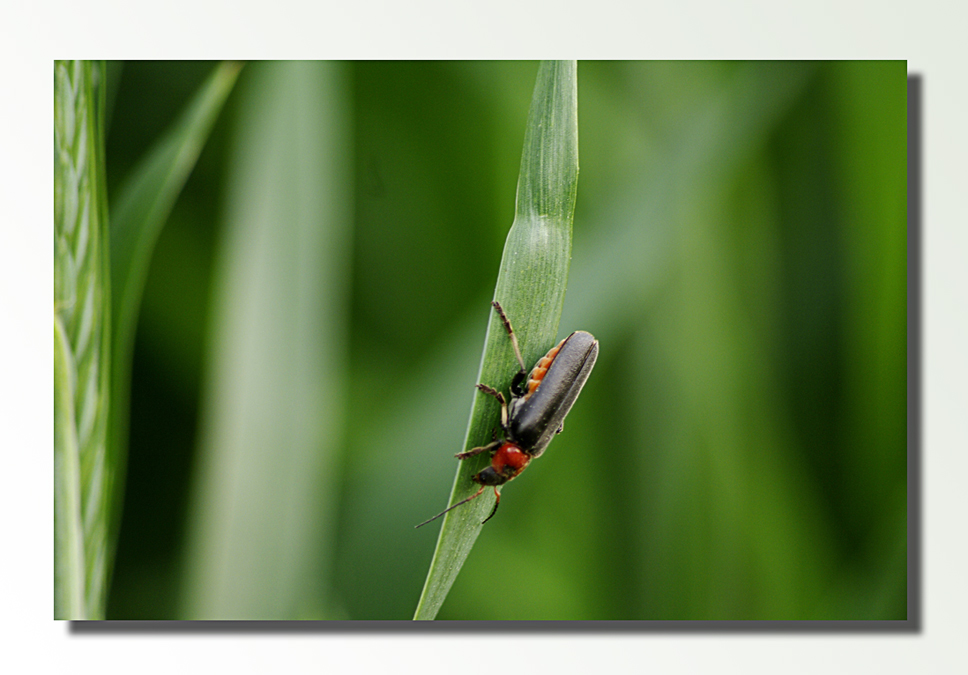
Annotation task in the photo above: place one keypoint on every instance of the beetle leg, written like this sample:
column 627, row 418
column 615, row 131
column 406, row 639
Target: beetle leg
column 497, row 502
column 490, row 447
column 500, row 399
column 518, row 388
column 514, row 340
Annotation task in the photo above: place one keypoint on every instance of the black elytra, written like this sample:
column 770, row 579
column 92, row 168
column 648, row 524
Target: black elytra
column 540, row 401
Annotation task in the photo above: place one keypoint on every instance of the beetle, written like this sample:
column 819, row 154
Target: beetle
column 540, row 401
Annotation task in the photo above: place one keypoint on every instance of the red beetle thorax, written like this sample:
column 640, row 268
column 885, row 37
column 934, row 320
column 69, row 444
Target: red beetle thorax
column 510, row 460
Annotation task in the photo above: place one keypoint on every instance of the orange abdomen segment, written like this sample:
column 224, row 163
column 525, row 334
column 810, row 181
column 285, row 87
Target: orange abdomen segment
column 540, row 368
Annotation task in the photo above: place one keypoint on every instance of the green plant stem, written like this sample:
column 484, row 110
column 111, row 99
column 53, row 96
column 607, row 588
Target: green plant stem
column 84, row 468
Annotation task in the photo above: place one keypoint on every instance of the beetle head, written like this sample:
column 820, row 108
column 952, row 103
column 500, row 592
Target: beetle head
column 489, row 477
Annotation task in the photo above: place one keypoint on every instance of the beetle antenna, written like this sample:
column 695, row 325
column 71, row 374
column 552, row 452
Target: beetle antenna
column 450, row 508
column 507, row 327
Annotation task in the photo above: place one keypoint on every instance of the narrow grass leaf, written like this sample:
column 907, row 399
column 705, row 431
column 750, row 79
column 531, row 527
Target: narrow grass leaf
column 531, row 287
column 141, row 208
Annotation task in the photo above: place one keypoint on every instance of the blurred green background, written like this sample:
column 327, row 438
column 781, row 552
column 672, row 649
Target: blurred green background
column 315, row 312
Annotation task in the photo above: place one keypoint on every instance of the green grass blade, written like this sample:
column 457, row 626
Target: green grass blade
column 68, row 532
column 662, row 231
column 147, row 197
column 83, row 469
column 259, row 546
column 142, row 207
column 531, row 287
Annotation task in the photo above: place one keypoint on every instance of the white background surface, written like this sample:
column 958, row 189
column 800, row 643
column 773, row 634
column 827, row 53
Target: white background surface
column 930, row 35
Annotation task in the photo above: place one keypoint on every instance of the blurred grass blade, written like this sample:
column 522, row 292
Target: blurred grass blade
column 83, row 469
column 712, row 368
column 531, row 287
column 259, row 545
column 143, row 205
column 638, row 225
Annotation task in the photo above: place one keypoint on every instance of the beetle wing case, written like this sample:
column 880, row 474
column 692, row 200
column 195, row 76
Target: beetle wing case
column 536, row 419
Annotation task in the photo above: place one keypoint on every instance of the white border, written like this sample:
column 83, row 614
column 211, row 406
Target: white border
column 930, row 35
